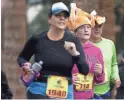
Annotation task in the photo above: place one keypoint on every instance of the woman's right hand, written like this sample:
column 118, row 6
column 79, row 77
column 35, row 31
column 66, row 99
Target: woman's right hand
column 26, row 67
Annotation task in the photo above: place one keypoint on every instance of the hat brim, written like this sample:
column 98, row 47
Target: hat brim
column 61, row 10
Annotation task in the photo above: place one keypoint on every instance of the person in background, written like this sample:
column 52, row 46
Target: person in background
column 6, row 92
column 109, row 57
column 120, row 90
column 59, row 50
column 81, row 26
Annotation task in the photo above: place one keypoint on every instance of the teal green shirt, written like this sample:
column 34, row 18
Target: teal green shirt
column 110, row 65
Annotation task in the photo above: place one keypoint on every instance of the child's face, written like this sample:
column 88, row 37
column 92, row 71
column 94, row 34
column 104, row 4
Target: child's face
column 84, row 32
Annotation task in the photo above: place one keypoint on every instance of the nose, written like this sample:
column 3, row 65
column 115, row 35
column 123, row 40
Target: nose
column 97, row 28
column 86, row 29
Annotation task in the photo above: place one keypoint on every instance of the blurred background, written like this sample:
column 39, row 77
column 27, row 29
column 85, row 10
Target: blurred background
column 20, row 19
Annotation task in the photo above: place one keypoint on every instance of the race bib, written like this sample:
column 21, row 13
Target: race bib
column 84, row 83
column 57, row 87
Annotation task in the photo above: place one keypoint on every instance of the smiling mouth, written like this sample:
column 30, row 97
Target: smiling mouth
column 86, row 34
column 62, row 23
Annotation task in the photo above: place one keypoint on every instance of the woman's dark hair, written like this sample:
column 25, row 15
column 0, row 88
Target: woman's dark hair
column 50, row 13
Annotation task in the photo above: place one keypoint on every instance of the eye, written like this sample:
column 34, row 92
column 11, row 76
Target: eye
column 57, row 15
column 62, row 15
column 88, row 26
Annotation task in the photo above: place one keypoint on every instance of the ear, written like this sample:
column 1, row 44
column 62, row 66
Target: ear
column 49, row 20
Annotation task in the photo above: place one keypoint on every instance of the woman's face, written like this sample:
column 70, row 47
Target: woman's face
column 97, row 31
column 84, row 32
column 59, row 20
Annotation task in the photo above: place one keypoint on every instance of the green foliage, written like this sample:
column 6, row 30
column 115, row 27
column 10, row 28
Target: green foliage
column 40, row 23
column 118, row 1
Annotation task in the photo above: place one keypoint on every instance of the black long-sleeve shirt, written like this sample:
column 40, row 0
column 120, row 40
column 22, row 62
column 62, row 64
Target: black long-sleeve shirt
column 56, row 60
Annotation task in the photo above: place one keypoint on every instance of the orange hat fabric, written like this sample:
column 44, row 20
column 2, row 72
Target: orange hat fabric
column 80, row 12
column 81, row 20
column 100, row 20
column 78, row 18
